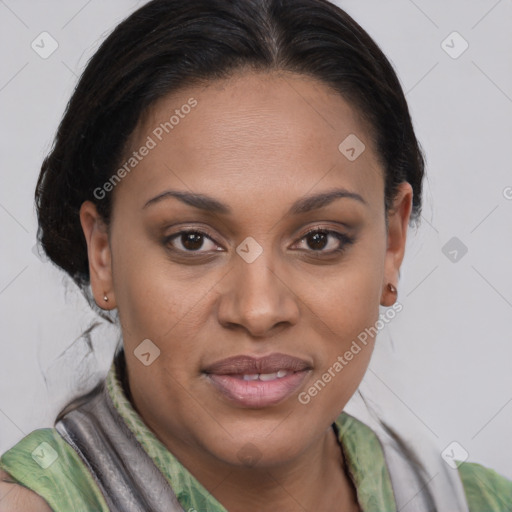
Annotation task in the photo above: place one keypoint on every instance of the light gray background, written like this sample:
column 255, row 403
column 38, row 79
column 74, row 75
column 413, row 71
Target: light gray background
column 444, row 362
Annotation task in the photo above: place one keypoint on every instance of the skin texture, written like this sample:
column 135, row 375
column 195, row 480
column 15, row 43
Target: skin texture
column 15, row 497
column 257, row 142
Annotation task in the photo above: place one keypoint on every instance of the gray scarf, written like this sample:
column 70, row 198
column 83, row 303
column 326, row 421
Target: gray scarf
column 131, row 482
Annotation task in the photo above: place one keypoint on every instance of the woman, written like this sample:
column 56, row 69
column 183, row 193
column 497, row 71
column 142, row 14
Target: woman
column 235, row 180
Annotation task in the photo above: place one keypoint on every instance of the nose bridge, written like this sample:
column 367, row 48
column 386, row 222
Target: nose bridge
column 257, row 285
column 257, row 276
column 258, row 299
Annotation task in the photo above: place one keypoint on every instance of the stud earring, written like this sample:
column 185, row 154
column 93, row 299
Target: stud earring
column 105, row 298
column 392, row 289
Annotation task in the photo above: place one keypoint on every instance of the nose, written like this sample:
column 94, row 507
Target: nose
column 257, row 297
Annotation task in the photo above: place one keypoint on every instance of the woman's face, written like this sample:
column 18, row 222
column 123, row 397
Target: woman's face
column 245, row 312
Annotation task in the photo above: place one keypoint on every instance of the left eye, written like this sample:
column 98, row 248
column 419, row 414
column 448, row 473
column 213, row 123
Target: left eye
column 325, row 240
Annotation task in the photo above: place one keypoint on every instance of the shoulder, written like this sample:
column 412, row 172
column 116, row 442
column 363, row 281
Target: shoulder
column 47, row 470
column 485, row 489
column 16, row 498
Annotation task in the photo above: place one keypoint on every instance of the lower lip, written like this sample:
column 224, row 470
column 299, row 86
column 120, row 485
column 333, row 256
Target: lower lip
column 258, row 394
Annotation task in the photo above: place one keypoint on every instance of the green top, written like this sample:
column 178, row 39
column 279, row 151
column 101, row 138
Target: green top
column 45, row 463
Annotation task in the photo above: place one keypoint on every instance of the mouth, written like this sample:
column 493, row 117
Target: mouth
column 257, row 382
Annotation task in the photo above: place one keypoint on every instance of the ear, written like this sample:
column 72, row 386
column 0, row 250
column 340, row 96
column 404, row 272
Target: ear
column 398, row 223
column 99, row 254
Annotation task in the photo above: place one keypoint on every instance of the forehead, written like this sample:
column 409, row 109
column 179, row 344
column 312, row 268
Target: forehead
column 257, row 129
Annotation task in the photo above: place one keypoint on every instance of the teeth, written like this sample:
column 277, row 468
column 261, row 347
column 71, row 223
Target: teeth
column 266, row 376
column 251, row 377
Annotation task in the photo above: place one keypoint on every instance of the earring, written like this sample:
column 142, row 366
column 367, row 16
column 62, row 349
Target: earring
column 105, row 298
column 392, row 289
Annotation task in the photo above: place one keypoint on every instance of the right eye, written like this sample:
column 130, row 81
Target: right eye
column 190, row 241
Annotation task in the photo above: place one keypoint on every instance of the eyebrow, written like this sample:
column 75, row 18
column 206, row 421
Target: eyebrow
column 209, row 204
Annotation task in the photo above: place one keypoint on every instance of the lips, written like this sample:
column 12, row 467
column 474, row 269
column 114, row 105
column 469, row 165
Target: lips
column 257, row 382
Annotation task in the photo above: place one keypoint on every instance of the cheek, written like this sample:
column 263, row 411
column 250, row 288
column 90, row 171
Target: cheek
column 144, row 289
column 159, row 301
column 347, row 298
column 350, row 312
column 346, row 307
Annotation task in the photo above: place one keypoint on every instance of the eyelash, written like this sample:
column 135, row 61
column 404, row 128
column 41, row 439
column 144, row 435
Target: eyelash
column 345, row 241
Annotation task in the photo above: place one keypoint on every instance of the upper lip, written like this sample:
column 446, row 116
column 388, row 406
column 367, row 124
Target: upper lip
column 248, row 365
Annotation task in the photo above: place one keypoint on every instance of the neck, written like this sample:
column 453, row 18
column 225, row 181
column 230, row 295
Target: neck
column 318, row 481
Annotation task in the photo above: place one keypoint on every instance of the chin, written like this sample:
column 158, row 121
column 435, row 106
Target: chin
column 253, row 451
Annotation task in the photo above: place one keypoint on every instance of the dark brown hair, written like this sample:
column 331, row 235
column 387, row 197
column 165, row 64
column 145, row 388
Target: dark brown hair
column 169, row 44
